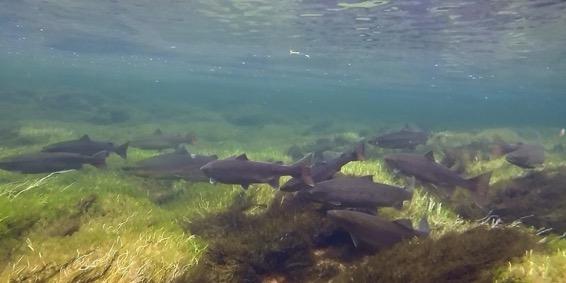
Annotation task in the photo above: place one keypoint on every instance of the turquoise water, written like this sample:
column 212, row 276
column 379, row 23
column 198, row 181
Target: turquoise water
column 276, row 80
column 443, row 63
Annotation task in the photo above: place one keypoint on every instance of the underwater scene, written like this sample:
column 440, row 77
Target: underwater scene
column 283, row 141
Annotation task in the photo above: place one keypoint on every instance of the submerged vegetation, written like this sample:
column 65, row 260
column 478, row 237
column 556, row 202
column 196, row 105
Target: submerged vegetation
column 105, row 224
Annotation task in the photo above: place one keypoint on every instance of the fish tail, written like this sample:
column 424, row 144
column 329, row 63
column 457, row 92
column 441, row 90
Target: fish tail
column 479, row 187
column 302, row 171
column 122, row 150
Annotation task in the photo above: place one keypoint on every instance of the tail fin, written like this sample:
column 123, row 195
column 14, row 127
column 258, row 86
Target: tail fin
column 360, row 151
column 122, row 150
column 99, row 159
column 479, row 187
column 301, row 170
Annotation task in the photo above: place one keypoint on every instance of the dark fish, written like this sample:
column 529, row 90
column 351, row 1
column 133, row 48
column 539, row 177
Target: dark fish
column 526, row 156
column 176, row 165
column 326, row 170
column 500, row 147
column 158, row 140
column 458, row 158
column 424, row 168
column 240, row 170
column 47, row 162
column 374, row 231
column 86, row 146
column 348, row 191
column 403, row 139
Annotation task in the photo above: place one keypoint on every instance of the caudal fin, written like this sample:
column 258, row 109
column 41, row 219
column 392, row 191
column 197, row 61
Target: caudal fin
column 479, row 188
column 122, row 150
column 99, row 159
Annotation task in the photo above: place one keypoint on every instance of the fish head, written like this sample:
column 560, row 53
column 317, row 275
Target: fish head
column 207, row 168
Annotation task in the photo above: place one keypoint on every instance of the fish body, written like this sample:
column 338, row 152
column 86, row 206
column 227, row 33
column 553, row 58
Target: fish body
column 362, row 192
column 176, row 165
column 325, row 170
column 425, row 169
column 375, row 231
column 403, row 139
column 47, row 162
column 240, row 170
column 159, row 141
column 527, row 156
column 86, row 146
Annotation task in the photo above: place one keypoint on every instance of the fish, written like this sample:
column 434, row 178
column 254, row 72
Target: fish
column 374, row 231
column 159, row 141
column 562, row 132
column 86, row 146
column 527, row 156
column 179, row 164
column 325, row 170
column 501, row 148
column 358, row 192
column 425, row 169
column 458, row 158
column 406, row 138
column 242, row 171
column 48, row 162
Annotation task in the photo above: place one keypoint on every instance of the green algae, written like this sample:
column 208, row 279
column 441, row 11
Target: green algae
column 470, row 256
column 131, row 234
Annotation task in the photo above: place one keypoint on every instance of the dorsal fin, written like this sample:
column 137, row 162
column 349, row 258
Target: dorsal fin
column 181, row 150
column 405, row 223
column 158, row 132
column 430, row 156
column 85, row 138
column 242, row 156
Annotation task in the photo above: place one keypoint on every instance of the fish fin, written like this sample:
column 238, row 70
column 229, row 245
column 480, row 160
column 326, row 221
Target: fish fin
column 122, row 150
column 245, row 186
column 191, row 138
column 100, row 159
column 424, row 227
column 274, row 182
column 355, row 240
column 306, row 176
column 360, row 151
column 157, row 132
column 301, row 170
column 181, row 149
column 306, row 160
column 480, row 187
column 430, row 156
column 242, row 156
column 85, row 138
column 405, row 223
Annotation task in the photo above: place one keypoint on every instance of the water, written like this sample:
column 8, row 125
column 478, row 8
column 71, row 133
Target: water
column 257, row 76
